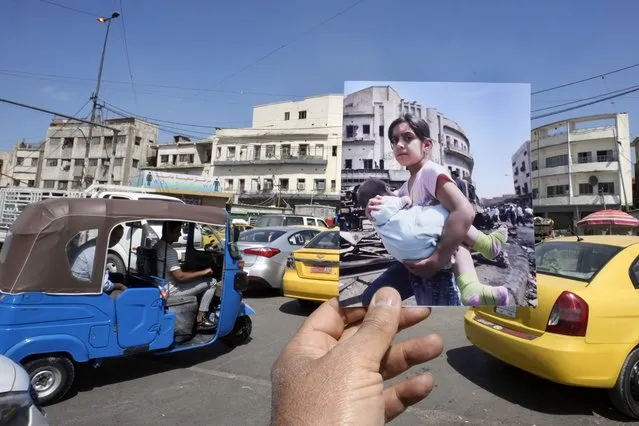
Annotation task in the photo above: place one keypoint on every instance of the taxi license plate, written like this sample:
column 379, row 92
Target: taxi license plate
column 321, row 269
column 507, row 311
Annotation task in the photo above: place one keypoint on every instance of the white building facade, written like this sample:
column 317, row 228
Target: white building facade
column 21, row 166
column 70, row 161
column 292, row 153
column 367, row 151
column 522, row 179
column 185, row 156
column 580, row 166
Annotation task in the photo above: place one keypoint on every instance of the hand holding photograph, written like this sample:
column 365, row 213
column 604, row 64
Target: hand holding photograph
column 410, row 214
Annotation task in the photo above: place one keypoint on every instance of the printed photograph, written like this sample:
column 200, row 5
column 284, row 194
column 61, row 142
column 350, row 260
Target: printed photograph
column 435, row 195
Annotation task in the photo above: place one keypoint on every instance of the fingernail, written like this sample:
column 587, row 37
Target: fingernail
column 384, row 297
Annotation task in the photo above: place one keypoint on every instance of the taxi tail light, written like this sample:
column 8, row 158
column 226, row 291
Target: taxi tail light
column 569, row 316
column 262, row 251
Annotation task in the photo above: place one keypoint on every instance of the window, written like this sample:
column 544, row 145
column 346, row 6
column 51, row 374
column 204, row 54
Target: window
column 257, row 152
column 301, row 115
column 533, row 165
column 76, row 184
column 135, row 164
column 334, row 148
column 350, row 131
column 320, row 184
column 118, row 162
column 34, row 162
column 303, row 150
column 93, row 162
column 366, row 128
column 557, row 191
column 230, row 152
column 607, row 188
column 294, row 221
column 228, row 185
column 138, row 140
column 535, row 193
column 381, row 131
column 348, row 164
column 260, row 235
column 574, row 260
column 584, row 157
column 218, row 152
column 151, row 141
column 301, row 238
column 186, row 158
column 286, row 151
column 333, row 185
column 301, row 184
column 49, row 184
column 31, row 183
column 557, row 161
column 319, row 151
column 604, row 156
column 68, row 143
column 268, row 185
column 164, row 158
column 368, row 164
column 121, row 138
column 20, row 161
column 63, row 185
column 270, row 151
column 585, row 189
column 80, row 252
column 52, row 162
column 79, row 162
column 16, row 182
column 325, row 240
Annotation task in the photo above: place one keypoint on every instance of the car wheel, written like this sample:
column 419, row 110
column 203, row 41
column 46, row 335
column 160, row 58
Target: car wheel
column 51, row 377
column 625, row 395
column 241, row 332
column 114, row 264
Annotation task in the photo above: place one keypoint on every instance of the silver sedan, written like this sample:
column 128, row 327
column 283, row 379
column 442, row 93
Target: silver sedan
column 266, row 250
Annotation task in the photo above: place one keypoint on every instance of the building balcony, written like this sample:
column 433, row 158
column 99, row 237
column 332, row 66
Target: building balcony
column 183, row 165
column 580, row 200
column 576, row 167
column 575, row 136
column 288, row 159
column 364, row 139
column 363, row 174
column 317, row 194
column 463, row 155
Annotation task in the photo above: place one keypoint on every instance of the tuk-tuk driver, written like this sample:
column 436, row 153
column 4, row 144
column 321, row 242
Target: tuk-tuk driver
column 82, row 265
column 183, row 283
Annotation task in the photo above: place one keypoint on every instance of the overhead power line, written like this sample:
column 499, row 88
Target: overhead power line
column 594, row 77
column 574, row 101
column 70, row 8
column 586, row 104
column 126, row 51
column 286, row 44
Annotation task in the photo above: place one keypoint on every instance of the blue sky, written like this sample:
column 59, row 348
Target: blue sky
column 494, row 116
column 221, row 49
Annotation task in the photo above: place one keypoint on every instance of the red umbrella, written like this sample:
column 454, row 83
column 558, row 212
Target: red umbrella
column 609, row 218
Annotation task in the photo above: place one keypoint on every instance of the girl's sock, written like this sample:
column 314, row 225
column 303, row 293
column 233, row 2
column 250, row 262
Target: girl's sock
column 490, row 245
column 474, row 293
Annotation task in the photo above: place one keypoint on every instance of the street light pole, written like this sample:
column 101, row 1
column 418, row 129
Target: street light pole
column 96, row 93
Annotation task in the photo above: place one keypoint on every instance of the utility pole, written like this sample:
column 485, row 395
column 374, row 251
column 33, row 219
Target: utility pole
column 95, row 99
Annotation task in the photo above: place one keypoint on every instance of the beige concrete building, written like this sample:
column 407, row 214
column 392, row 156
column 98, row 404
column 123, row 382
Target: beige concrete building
column 581, row 165
column 522, row 180
column 70, row 161
column 292, row 151
column 20, row 167
column 185, row 156
column 366, row 148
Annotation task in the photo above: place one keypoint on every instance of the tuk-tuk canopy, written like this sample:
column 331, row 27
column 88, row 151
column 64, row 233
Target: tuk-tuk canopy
column 34, row 256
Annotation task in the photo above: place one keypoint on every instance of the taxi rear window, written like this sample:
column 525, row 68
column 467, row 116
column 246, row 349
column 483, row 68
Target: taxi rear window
column 574, row 260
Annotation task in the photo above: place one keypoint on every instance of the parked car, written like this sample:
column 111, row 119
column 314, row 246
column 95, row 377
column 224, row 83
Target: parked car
column 312, row 273
column 266, row 250
column 18, row 400
column 584, row 330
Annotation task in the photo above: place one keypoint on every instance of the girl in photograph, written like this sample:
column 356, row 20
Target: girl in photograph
column 431, row 280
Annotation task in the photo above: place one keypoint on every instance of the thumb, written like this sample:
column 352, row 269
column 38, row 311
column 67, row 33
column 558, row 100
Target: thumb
column 379, row 326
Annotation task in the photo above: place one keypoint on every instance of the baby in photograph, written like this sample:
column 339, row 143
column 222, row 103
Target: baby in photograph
column 411, row 233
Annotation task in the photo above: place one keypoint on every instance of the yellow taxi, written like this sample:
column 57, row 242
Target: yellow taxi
column 312, row 273
column 585, row 329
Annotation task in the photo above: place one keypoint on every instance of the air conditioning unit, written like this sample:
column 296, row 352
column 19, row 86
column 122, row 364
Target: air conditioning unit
column 300, row 186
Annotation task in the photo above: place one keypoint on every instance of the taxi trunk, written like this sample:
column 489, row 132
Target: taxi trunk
column 317, row 264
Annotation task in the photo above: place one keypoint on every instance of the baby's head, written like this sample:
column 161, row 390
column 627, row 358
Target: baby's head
column 370, row 189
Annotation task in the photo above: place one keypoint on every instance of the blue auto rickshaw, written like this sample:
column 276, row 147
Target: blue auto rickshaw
column 51, row 320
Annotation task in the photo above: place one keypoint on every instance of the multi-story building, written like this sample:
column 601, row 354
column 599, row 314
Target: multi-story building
column 521, row 170
column 581, row 165
column 292, row 153
column 70, row 161
column 366, row 148
column 20, row 166
column 185, row 156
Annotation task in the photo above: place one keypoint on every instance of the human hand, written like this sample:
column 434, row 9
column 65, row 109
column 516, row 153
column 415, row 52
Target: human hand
column 374, row 204
column 425, row 268
column 334, row 368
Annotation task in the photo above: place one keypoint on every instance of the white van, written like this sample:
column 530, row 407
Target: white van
column 118, row 257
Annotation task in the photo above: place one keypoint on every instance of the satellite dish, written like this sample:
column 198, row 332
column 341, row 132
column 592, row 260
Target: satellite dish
column 592, row 180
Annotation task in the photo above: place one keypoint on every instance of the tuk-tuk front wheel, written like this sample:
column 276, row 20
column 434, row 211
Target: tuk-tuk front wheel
column 51, row 377
column 241, row 332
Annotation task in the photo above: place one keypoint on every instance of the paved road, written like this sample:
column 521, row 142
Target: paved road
column 222, row 387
